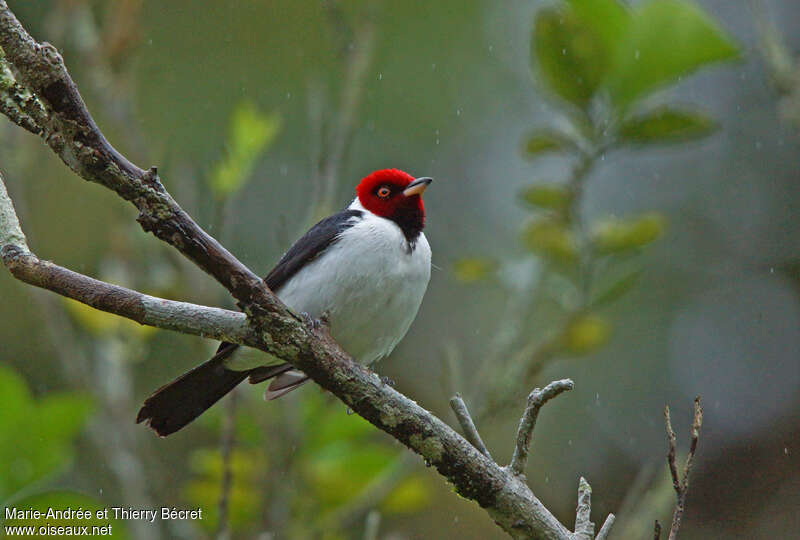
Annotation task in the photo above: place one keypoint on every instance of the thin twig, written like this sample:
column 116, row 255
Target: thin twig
column 536, row 399
column 470, row 431
column 694, row 438
column 671, row 444
column 606, row 528
column 681, row 486
column 584, row 528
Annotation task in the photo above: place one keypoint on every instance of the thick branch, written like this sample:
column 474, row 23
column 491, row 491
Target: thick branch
column 536, row 399
column 18, row 103
column 470, row 431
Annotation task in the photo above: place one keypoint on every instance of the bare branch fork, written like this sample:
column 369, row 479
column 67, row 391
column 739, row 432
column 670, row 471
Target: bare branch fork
column 681, row 485
column 465, row 420
column 536, row 399
column 37, row 93
column 584, row 528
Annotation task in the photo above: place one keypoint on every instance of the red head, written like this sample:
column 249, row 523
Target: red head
column 395, row 195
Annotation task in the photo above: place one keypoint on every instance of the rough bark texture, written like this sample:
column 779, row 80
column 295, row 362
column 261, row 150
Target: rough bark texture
column 69, row 130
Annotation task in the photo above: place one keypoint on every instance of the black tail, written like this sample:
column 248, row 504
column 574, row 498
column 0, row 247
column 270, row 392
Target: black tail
column 178, row 403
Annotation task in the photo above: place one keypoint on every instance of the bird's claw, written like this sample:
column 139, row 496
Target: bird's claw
column 310, row 321
column 315, row 324
column 387, row 381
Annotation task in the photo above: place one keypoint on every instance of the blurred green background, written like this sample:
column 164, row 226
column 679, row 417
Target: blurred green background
column 615, row 200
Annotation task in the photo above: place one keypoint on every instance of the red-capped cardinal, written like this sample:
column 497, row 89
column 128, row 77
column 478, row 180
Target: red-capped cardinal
column 366, row 268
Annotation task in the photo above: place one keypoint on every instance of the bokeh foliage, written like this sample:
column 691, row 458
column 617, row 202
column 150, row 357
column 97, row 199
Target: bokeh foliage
column 599, row 61
column 37, row 445
column 36, row 436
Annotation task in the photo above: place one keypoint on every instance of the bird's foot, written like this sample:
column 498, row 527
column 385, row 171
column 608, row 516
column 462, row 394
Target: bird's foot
column 387, row 381
column 317, row 325
column 310, row 321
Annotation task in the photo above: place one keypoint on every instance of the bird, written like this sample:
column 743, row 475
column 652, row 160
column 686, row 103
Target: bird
column 364, row 270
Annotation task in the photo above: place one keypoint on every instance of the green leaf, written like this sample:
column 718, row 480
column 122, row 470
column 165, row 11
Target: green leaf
column 250, row 133
column 547, row 196
column 15, row 401
column 621, row 235
column 586, row 334
column 569, row 53
column 36, row 436
column 65, row 413
column 472, row 269
column 665, row 40
column 551, row 239
column 608, row 18
column 618, row 289
column 666, row 125
column 542, row 141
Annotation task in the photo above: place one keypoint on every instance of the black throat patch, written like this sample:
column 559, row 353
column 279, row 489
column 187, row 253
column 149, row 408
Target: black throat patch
column 411, row 220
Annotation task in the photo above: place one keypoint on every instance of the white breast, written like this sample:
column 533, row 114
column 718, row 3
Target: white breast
column 371, row 284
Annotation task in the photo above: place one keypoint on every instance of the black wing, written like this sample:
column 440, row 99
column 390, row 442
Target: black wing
column 310, row 246
column 306, row 249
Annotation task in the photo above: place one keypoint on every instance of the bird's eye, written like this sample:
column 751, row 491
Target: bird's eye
column 384, row 192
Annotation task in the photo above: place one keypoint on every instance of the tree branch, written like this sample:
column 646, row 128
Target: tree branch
column 606, row 528
column 584, row 528
column 681, row 486
column 71, row 133
column 19, row 104
column 470, row 431
column 536, row 399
